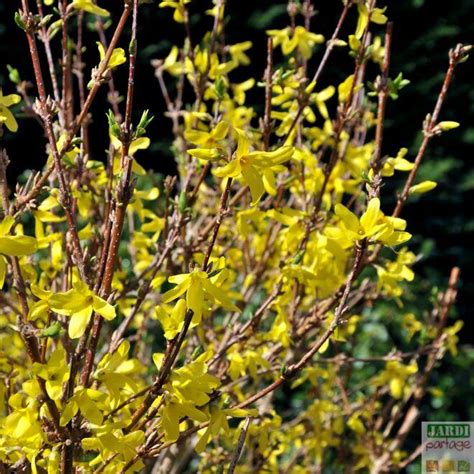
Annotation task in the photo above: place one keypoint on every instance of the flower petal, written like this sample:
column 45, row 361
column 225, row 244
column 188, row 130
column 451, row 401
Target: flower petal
column 255, row 182
column 17, row 245
column 350, row 220
column 221, row 130
column 370, row 216
column 78, row 322
column 231, row 170
column 3, row 270
column 8, row 119
column 175, row 292
column 106, row 310
column 195, row 297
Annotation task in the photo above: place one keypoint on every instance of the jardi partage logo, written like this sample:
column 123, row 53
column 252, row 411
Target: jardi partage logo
column 448, row 447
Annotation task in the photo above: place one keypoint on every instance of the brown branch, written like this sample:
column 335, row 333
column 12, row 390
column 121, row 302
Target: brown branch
column 376, row 162
column 67, row 93
column 23, row 200
column 217, row 224
column 79, row 72
column 340, row 311
column 322, row 64
column 429, row 132
column 455, row 56
column 267, row 121
column 419, row 387
column 45, row 38
column 120, row 331
column 112, row 96
column 124, row 194
column 240, row 446
column 344, row 114
column 46, row 113
column 173, row 349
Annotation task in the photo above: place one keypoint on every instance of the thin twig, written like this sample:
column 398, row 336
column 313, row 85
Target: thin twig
column 240, row 446
column 267, row 124
column 296, row 367
column 455, row 56
column 23, row 200
column 124, row 194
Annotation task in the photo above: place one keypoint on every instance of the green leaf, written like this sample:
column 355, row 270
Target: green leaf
column 51, row 331
column 13, row 74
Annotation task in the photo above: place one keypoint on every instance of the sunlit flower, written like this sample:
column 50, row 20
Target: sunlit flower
column 6, row 116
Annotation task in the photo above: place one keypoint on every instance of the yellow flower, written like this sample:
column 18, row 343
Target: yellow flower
column 55, row 372
column 69, row 156
column 171, row 63
column 395, row 272
column 88, row 401
column 136, row 203
column 398, row 163
column 247, row 362
column 188, row 389
column 6, row 117
column 377, row 51
column 218, row 422
column 202, row 382
column 255, row 168
column 372, row 225
column 117, row 58
column 363, row 20
column 355, row 424
column 237, row 53
column 423, row 187
column 319, row 98
column 375, row 16
column 117, row 371
column 141, row 143
column 39, row 309
column 113, row 443
column 411, row 324
column 298, row 38
column 205, row 62
column 13, row 245
column 452, row 338
column 240, row 89
column 397, row 376
column 172, row 321
column 179, row 9
column 209, row 142
column 22, row 422
column 199, row 289
column 79, row 303
column 90, row 7
column 345, row 87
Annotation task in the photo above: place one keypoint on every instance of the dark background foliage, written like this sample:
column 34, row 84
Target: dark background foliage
column 424, row 31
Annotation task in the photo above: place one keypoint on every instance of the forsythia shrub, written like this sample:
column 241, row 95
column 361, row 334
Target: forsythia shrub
column 217, row 319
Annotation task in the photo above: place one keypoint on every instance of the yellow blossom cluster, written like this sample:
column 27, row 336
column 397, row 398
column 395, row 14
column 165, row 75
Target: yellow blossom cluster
column 235, row 314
